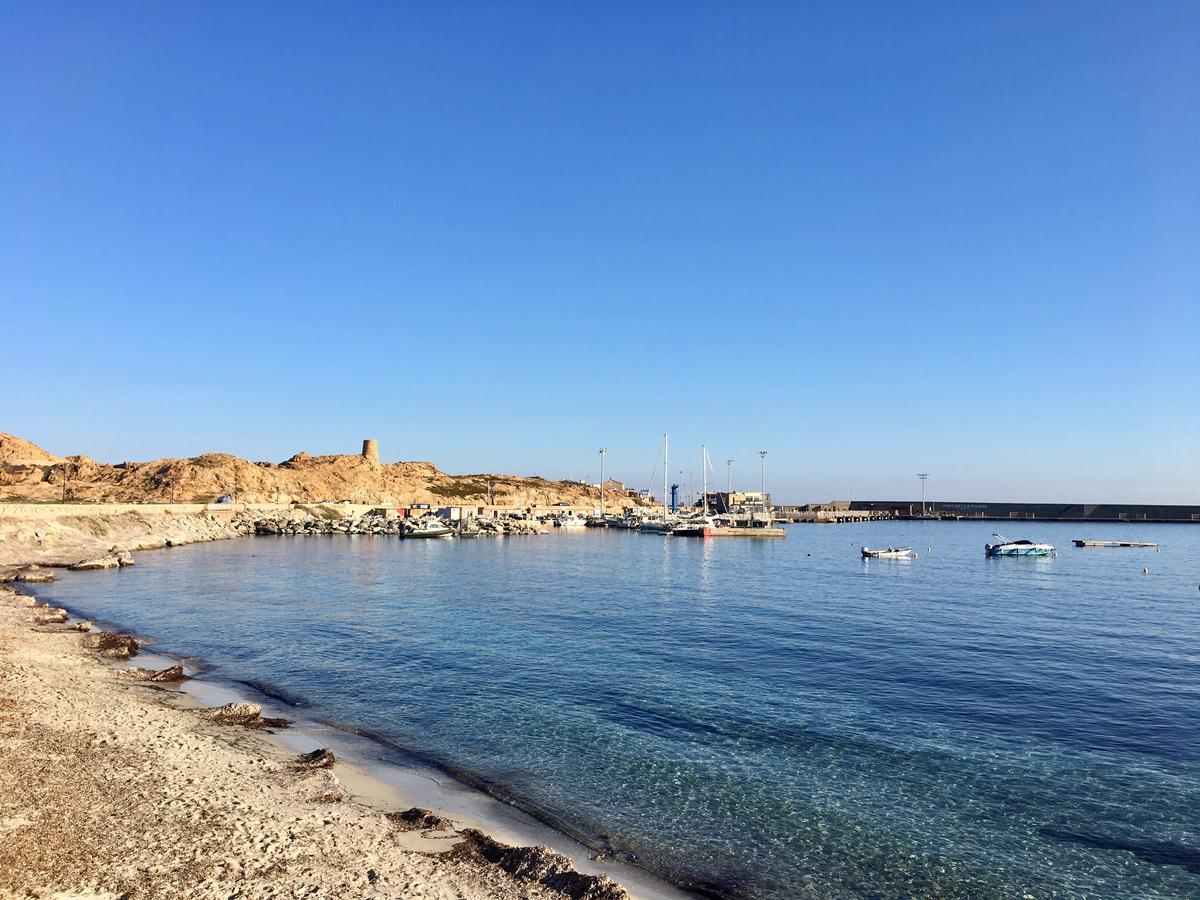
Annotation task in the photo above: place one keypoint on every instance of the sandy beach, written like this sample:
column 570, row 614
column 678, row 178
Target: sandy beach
column 119, row 786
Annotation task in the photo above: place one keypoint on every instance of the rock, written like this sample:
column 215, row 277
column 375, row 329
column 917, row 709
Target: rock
column 112, row 561
column 124, row 558
column 28, row 574
column 322, row 758
column 53, row 617
column 163, row 676
column 82, row 626
column 110, row 644
column 245, row 714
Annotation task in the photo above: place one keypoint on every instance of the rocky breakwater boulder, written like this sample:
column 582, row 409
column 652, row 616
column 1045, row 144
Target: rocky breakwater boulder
column 506, row 526
column 298, row 522
column 111, row 644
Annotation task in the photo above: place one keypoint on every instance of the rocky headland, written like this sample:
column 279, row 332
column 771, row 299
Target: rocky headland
column 30, row 474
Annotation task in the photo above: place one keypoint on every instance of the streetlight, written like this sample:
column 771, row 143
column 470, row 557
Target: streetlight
column 728, row 477
column 603, row 450
column 922, row 476
column 762, row 485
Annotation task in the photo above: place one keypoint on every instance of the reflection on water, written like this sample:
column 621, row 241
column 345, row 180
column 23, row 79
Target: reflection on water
column 760, row 718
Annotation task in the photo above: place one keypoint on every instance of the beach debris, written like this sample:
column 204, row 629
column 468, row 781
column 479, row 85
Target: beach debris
column 111, row 644
column 245, row 714
column 321, row 758
column 163, row 676
column 324, row 787
column 51, row 617
column 540, row 865
column 418, row 819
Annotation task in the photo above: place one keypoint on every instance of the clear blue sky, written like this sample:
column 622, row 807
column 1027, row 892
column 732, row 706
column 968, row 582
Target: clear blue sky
column 871, row 238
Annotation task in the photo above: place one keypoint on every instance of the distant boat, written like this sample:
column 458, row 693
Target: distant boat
column 1087, row 543
column 658, row 525
column 890, row 553
column 570, row 521
column 698, row 527
column 1016, row 548
column 429, row 528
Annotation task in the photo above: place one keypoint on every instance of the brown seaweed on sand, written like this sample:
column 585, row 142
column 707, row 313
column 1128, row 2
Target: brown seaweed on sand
column 248, row 715
column 540, row 865
column 116, row 646
column 162, row 676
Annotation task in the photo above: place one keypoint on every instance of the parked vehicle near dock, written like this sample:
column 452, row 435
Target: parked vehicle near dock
column 1005, row 547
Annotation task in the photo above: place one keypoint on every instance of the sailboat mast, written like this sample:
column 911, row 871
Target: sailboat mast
column 666, row 470
column 704, row 469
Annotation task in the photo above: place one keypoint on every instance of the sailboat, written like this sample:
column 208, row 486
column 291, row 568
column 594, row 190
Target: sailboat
column 702, row 525
column 664, row 523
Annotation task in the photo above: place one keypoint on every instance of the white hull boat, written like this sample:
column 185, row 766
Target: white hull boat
column 1005, row 547
column 888, row 553
column 430, row 530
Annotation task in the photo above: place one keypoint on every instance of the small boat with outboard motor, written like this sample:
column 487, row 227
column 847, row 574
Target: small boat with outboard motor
column 429, row 528
column 887, row 553
column 570, row 520
column 1005, row 547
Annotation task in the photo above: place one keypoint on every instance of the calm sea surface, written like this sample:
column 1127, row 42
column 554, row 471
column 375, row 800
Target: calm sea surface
column 751, row 718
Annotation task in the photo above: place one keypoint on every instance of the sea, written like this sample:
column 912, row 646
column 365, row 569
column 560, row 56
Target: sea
column 746, row 718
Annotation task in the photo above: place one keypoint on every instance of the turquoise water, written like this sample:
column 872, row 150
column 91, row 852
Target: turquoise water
column 749, row 718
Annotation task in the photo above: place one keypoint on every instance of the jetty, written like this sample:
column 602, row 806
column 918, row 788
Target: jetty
column 1087, row 543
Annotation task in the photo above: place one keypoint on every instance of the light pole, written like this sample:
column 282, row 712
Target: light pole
column 762, row 484
column 603, row 450
column 922, row 476
column 728, row 477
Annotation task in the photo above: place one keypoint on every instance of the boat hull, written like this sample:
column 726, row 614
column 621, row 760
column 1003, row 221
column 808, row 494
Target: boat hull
column 1032, row 550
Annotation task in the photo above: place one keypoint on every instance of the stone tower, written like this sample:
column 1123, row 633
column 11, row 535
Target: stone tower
column 371, row 451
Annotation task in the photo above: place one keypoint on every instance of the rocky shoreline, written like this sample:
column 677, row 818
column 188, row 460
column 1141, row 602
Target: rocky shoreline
column 292, row 523
column 149, row 796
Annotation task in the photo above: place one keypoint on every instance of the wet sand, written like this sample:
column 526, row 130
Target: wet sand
column 112, row 786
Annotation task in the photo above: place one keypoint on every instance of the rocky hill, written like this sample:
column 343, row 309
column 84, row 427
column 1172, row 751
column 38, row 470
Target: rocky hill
column 29, row 473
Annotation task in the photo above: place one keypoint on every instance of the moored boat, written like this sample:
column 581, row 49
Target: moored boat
column 570, row 521
column 429, row 528
column 888, row 553
column 1005, row 547
column 699, row 527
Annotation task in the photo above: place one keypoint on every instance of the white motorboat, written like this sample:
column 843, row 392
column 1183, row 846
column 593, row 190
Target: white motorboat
column 429, row 528
column 1005, row 547
column 888, row 553
column 570, row 521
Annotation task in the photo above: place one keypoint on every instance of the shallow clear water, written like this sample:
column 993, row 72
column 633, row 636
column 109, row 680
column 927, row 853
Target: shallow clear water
column 752, row 718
